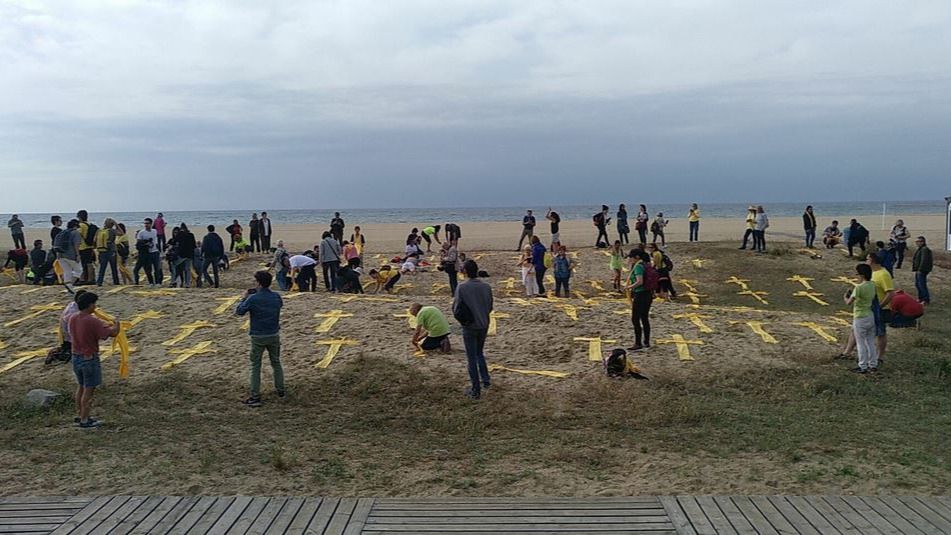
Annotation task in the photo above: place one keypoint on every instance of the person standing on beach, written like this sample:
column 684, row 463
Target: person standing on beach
column 657, row 228
column 623, row 229
column 453, row 233
column 528, row 272
column 358, row 240
column 122, row 252
column 884, row 290
column 329, row 254
column 57, row 222
column 449, row 262
column 254, row 227
column 186, row 254
column 106, row 247
column 642, row 298
column 641, row 222
column 85, row 332
column 616, row 263
column 471, row 307
column 693, row 219
column 15, row 224
column 863, row 320
column 601, row 222
column 265, row 233
column 212, row 251
column 555, row 221
column 528, row 229
column 145, row 243
column 750, row 227
column 899, row 238
column 234, row 231
column 159, row 225
column 562, row 267
column 87, row 247
column 336, row 227
column 922, row 264
column 759, row 236
column 809, row 226
column 264, row 306
column 538, row 262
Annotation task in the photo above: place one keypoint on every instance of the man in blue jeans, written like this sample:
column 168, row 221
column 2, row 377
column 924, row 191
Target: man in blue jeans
column 212, row 249
column 265, row 308
column 471, row 307
column 922, row 264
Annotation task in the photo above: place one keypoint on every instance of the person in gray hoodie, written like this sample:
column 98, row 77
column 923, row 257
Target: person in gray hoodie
column 471, row 308
column 66, row 246
column 329, row 254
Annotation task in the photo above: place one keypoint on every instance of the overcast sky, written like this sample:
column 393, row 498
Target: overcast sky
column 129, row 105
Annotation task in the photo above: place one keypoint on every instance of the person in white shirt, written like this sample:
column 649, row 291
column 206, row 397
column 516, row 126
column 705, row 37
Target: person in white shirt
column 303, row 266
column 265, row 232
column 759, row 234
column 146, row 244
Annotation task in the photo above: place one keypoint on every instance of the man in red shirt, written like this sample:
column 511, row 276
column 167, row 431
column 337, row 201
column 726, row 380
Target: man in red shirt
column 85, row 332
column 905, row 310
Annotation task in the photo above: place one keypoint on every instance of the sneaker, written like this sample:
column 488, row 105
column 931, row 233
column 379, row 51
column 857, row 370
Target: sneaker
column 858, row 370
column 282, row 394
column 472, row 394
column 636, row 347
column 445, row 346
column 90, row 424
column 873, row 369
column 252, row 402
column 647, row 345
column 76, row 420
column 485, row 386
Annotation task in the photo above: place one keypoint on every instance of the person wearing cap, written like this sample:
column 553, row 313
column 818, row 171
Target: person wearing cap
column 921, row 265
column 85, row 332
column 750, row 225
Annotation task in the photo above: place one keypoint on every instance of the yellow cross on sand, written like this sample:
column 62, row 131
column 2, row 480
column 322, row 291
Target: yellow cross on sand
column 811, row 253
column 439, row 286
column 840, row 321
column 592, row 302
column 683, row 345
column 31, row 290
column 147, row 315
column 550, row 279
column 293, row 295
column 187, row 329
column 37, row 311
column 226, row 303
column 410, row 319
column 594, row 346
column 333, row 349
column 579, row 294
column 24, row 356
column 696, row 319
column 349, row 298
column 596, row 284
column 509, row 283
column 812, row 295
column 398, row 287
column 9, row 272
column 246, row 325
column 698, row 262
column 155, row 293
column 757, row 327
column 523, row 302
column 845, row 280
column 818, row 329
column 695, row 297
column 570, row 310
column 332, row 318
column 755, row 295
column 493, row 322
column 118, row 289
column 545, row 373
column 737, row 281
column 201, row 348
column 802, row 280
column 728, row 309
column 573, row 254
column 689, row 284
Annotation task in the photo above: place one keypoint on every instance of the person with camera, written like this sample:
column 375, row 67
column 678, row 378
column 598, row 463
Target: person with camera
column 264, row 306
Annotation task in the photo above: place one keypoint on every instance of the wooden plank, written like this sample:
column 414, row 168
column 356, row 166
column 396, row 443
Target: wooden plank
column 827, row 513
column 174, row 515
column 695, row 515
column 734, row 515
column 305, row 515
column 341, row 516
column 716, row 517
column 286, row 515
column 267, row 516
column 542, row 513
column 937, row 506
column 908, row 514
column 117, row 516
column 517, row 520
column 359, row 517
column 321, row 517
column 384, row 506
column 934, row 518
column 130, row 522
column 777, row 521
column 872, row 515
column 890, row 515
column 542, row 532
column 29, row 528
column 753, row 515
column 198, row 509
column 249, row 515
column 83, row 515
column 553, row 528
column 9, row 507
column 677, row 515
column 798, row 523
column 231, row 514
column 47, row 512
column 209, row 517
column 79, row 500
column 857, row 520
column 33, row 519
column 556, row 499
column 156, row 515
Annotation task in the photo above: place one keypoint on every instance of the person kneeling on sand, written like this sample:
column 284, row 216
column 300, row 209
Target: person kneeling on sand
column 432, row 329
column 385, row 278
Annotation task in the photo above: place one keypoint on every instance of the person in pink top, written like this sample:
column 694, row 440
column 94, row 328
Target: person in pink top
column 159, row 226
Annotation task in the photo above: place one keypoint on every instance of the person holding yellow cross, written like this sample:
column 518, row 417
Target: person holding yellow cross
column 85, row 332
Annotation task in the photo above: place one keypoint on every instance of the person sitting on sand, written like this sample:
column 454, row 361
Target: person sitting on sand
column 562, row 267
column 432, row 329
column 39, row 262
column 20, row 259
column 528, row 272
column 429, row 234
column 385, row 278
column 905, row 310
column 832, row 235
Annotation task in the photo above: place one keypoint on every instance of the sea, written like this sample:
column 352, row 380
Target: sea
column 420, row 216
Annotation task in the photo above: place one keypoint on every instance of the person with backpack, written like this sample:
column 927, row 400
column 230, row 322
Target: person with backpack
column 693, row 218
column 329, row 255
column 212, row 251
column 642, row 283
column 616, row 264
column 15, row 224
column 106, row 247
column 123, row 251
column 186, row 254
column 623, row 229
column 563, row 267
column 664, row 266
column 67, row 254
column 657, row 229
column 538, row 263
column 146, row 245
column 601, row 222
column 87, row 246
column 472, row 307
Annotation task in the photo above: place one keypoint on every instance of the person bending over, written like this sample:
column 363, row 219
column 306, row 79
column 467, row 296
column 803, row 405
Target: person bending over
column 432, row 329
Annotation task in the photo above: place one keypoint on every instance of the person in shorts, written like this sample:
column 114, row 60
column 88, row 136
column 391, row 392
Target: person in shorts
column 85, row 332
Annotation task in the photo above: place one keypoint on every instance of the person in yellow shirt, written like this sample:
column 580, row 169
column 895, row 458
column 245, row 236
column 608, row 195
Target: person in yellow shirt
column 87, row 248
column 693, row 217
column 884, row 290
column 750, row 225
column 385, row 278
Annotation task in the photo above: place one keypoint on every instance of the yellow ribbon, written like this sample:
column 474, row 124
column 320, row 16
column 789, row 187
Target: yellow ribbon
column 187, row 329
column 118, row 289
column 698, row 262
column 37, row 311
column 545, row 373
column 696, row 319
column 493, row 322
column 331, row 319
column 155, row 293
column 840, row 321
column 689, row 284
column 246, row 325
column 802, row 280
column 226, row 303
column 683, row 345
column 845, row 280
column 410, row 319
column 594, row 346
column 22, row 357
column 147, row 315
column 201, row 348
column 757, row 327
column 332, row 350
column 120, row 341
column 755, row 295
column 812, row 295
column 737, row 281
column 818, row 329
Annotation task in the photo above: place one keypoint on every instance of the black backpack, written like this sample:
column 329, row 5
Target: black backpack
column 668, row 263
column 615, row 365
column 61, row 242
column 91, row 231
column 654, row 227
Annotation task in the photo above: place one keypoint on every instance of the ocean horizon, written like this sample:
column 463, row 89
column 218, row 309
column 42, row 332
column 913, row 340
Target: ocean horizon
column 420, row 216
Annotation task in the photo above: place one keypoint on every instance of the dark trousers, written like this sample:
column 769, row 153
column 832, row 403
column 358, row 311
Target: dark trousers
column 810, row 236
column 143, row 262
column 642, row 235
column 392, row 282
column 453, row 278
column 307, row 279
column 474, row 340
column 746, row 237
column 526, row 233
column 759, row 240
column 19, row 241
column 921, row 285
column 330, row 274
column 108, row 258
column 694, row 231
column 640, row 317
column 540, row 279
column 161, row 242
column 602, row 231
column 157, row 267
column 432, row 342
column 900, row 248
column 852, row 243
column 266, row 242
column 562, row 282
column 213, row 262
column 622, row 235
column 255, row 242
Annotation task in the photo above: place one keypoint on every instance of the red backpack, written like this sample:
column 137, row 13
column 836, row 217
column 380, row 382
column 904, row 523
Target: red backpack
column 651, row 278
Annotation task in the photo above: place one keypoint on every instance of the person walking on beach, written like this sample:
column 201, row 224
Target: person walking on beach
column 762, row 223
column 601, row 222
column 212, row 251
column 234, row 231
column 449, row 262
column 432, row 329
column 857, row 235
column 254, row 227
column 899, row 239
column 528, row 229
column 15, row 224
column 863, row 320
column 266, row 231
column 922, row 264
column 538, row 263
column 264, row 306
column 329, row 254
column 186, row 254
column 336, row 227
column 642, row 298
column 616, row 263
column 750, row 227
column 85, row 332
column 528, row 272
column 562, row 267
column 623, row 229
column 472, row 306
column 555, row 221
column 809, row 226
column 657, row 228
column 693, row 219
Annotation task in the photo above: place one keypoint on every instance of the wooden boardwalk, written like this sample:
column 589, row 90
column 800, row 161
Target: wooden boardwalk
column 459, row 516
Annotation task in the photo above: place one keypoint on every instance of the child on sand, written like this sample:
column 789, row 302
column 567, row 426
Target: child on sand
column 528, row 272
column 562, row 268
column 616, row 263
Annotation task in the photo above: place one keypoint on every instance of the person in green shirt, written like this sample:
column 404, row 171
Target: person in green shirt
column 863, row 320
column 432, row 329
column 430, row 233
column 642, row 298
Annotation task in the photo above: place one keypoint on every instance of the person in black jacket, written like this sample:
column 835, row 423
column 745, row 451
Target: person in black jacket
column 809, row 225
column 255, row 228
column 186, row 254
column 212, row 250
column 858, row 235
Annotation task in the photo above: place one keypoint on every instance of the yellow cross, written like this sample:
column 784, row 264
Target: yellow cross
column 594, row 346
column 737, row 281
column 812, row 295
column 840, row 321
column 802, row 280
column 148, row 315
column 31, row 290
column 333, row 349
column 757, row 327
column 573, row 254
column 818, row 329
column 398, row 287
column 37, row 311
column 845, row 280
column 187, row 329
column 410, row 319
column 579, row 294
column 118, row 289
column 728, row 309
column 698, row 262
column 550, row 279
column 592, row 302
column 509, row 283
column 226, row 303
column 694, row 296
column 353, row 297
column 439, row 286
column 201, row 348
column 545, row 373
column 689, row 284
column 246, row 325
column 596, row 284
column 493, row 322
column 696, row 319
column 154, row 293
column 683, row 345
column 294, row 295
column 24, row 356
column 521, row 301
column 570, row 310
column 755, row 295
column 332, row 318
